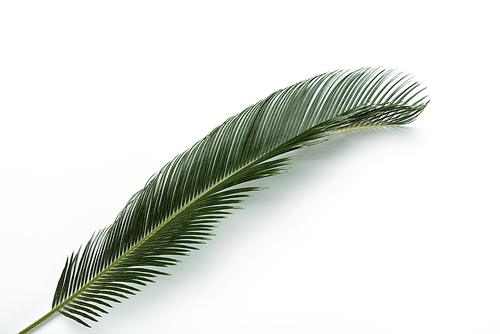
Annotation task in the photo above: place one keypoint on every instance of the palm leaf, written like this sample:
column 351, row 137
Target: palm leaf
column 180, row 205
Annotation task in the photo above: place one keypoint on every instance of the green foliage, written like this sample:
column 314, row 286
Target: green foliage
column 180, row 205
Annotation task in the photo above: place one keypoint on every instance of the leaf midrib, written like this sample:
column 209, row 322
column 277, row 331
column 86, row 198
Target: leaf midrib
column 159, row 227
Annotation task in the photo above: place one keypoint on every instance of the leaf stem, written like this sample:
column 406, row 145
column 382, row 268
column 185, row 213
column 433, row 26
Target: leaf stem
column 41, row 320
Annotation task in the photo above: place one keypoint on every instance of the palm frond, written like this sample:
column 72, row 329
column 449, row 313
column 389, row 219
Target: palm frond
column 180, row 205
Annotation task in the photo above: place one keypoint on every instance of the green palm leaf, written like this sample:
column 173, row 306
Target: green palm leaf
column 180, row 205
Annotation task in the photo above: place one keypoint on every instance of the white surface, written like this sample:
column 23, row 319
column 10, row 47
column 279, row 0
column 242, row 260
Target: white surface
column 376, row 231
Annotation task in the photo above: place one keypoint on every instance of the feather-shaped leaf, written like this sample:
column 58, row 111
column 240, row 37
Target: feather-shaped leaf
column 180, row 205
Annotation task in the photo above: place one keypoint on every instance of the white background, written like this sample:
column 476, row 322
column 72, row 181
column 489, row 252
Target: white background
column 392, row 230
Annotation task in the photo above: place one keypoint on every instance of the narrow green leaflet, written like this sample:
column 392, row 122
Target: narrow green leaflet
column 180, row 205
